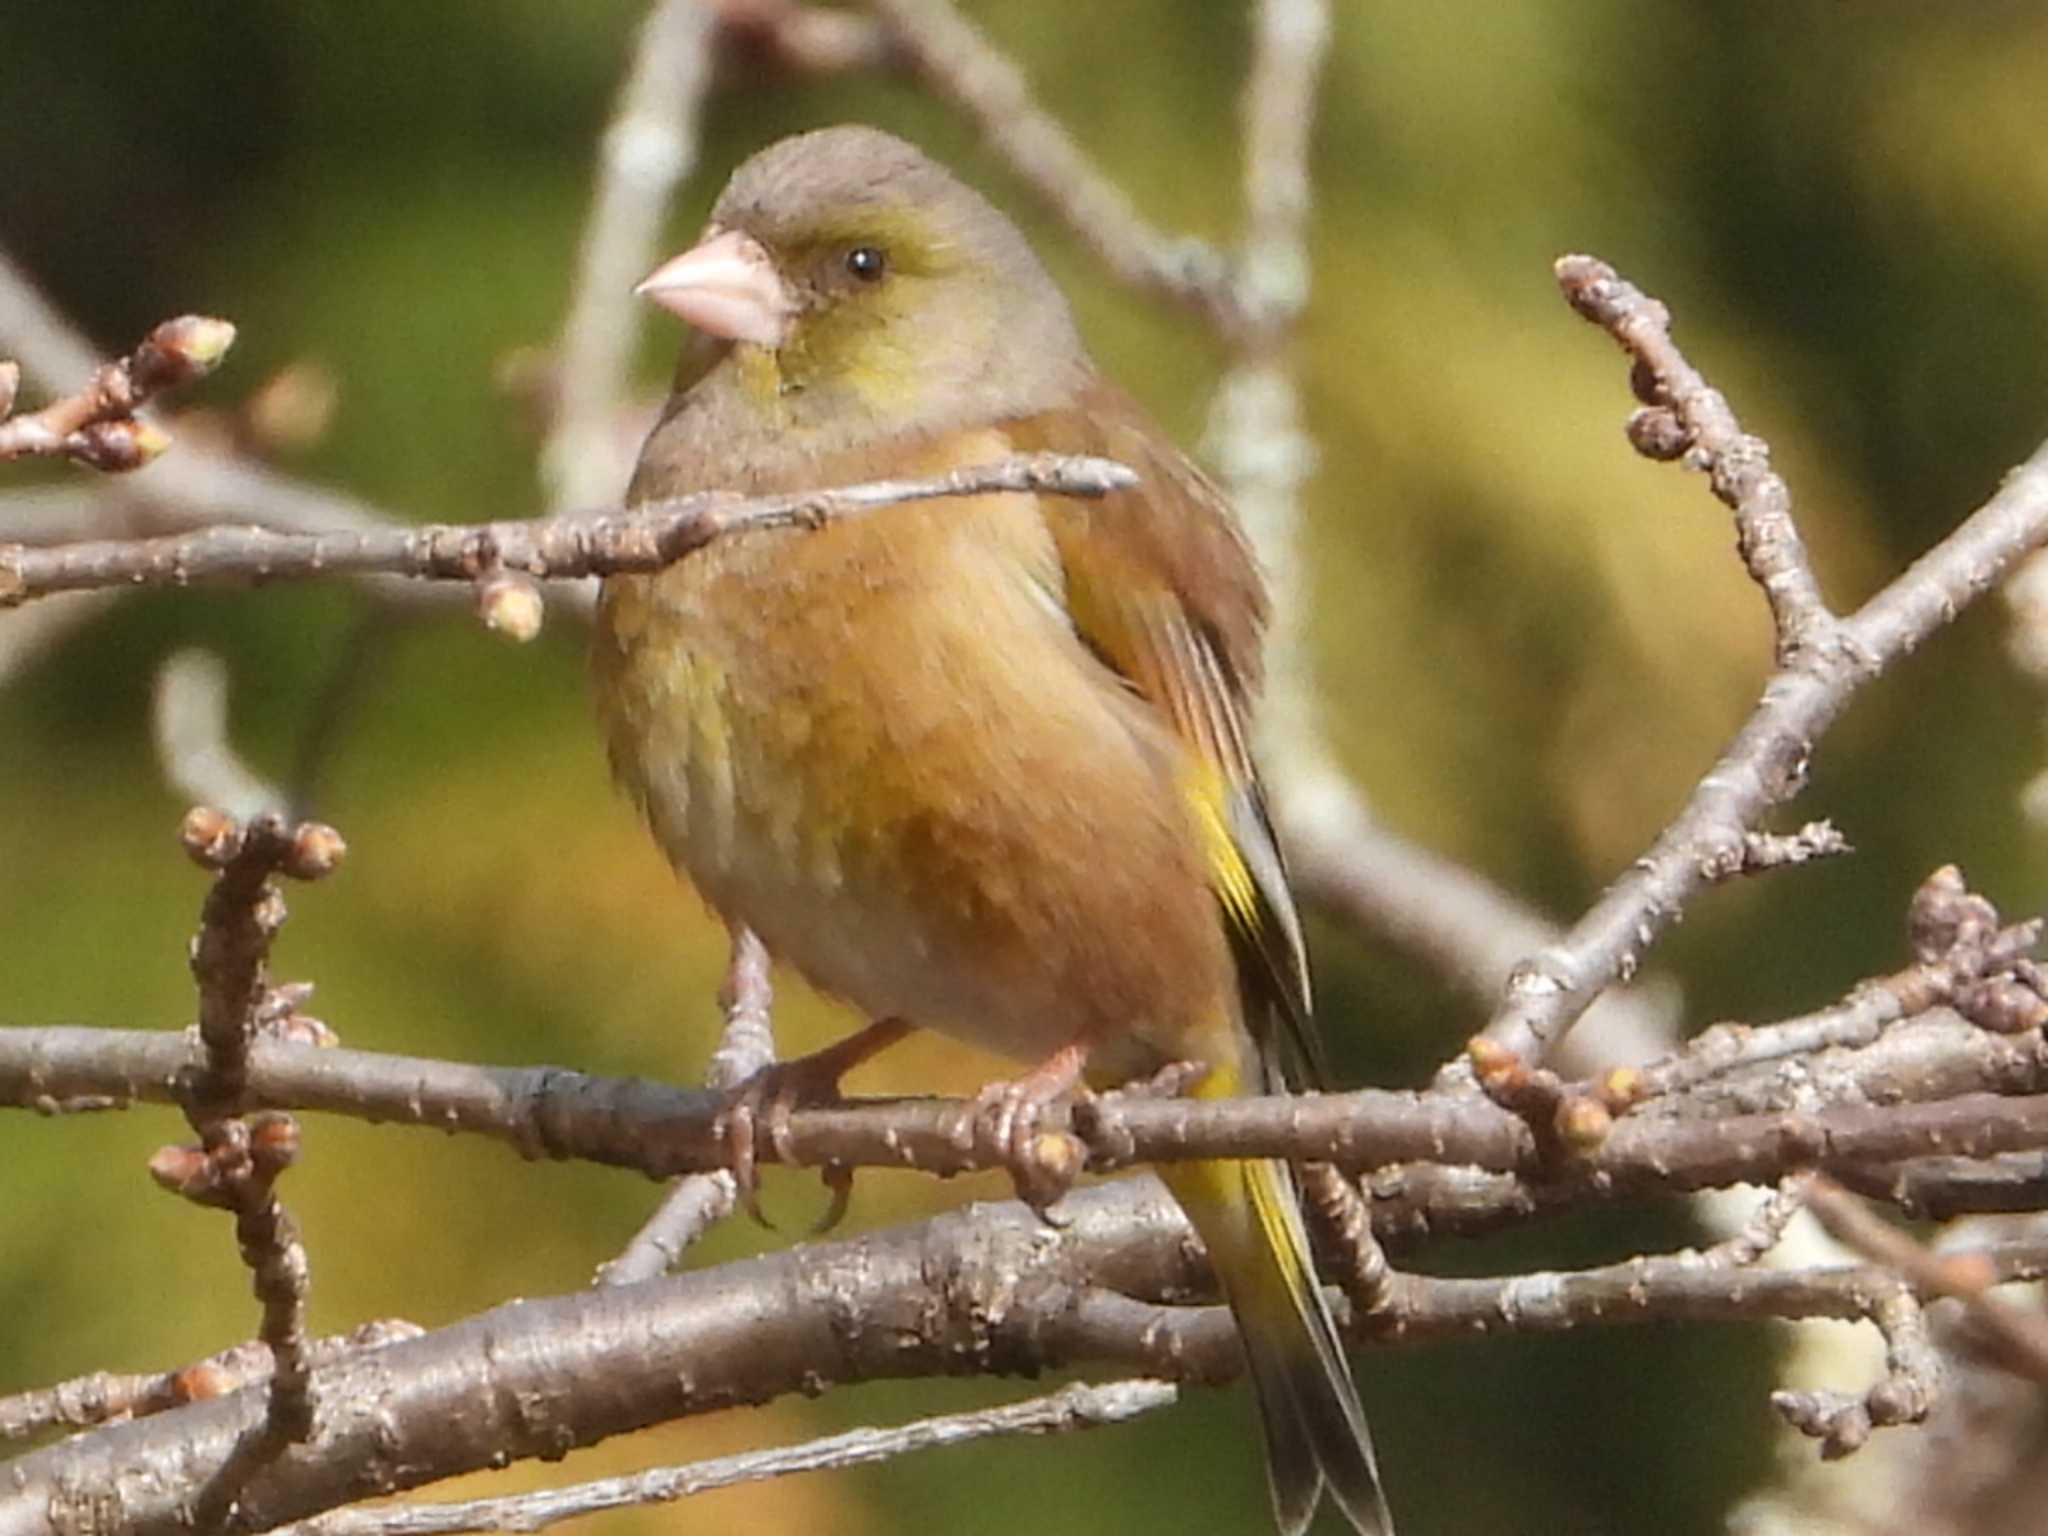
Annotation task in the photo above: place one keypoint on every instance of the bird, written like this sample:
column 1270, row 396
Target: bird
column 978, row 764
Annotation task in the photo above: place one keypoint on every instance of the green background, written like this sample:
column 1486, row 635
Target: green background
column 1530, row 641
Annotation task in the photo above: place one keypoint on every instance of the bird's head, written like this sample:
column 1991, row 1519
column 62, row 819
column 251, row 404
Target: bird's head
column 858, row 279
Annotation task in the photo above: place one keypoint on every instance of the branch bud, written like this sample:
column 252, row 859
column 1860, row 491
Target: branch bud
column 510, row 605
column 211, row 837
column 190, row 1172
column 1499, row 1069
column 1621, row 1088
column 1582, row 1124
column 273, row 1142
column 205, row 1381
column 2003, row 1005
column 118, row 446
column 180, row 351
column 1656, row 433
column 316, row 850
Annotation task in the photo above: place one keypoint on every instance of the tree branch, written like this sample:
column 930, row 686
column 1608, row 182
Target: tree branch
column 664, row 1131
column 1683, row 417
column 654, row 535
column 1076, row 1407
column 698, row 1201
column 1767, row 761
column 986, row 1289
column 964, row 67
column 99, row 426
column 648, row 147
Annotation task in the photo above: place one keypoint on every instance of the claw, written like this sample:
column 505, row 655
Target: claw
column 759, row 1111
column 1002, row 1125
column 736, row 1127
column 838, row 1178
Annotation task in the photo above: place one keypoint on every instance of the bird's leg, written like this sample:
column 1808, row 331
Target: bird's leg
column 1003, row 1120
column 762, row 1105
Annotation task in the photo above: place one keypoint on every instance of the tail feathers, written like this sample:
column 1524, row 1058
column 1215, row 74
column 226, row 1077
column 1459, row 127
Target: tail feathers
column 1316, row 1437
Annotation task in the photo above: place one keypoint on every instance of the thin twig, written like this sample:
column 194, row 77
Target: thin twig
column 1344, row 1220
column 1466, row 928
column 654, row 535
column 1075, row 1407
column 241, row 1156
column 1767, row 761
column 2021, row 1336
column 199, row 489
column 648, row 147
column 1974, row 964
column 99, row 426
column 1764, row 1229
column 963, row 66
column 1842, row 1421
column 698, row 1201
column 1940, row 1188
column 104, row 1397
column 1684, row 416
column 800, row 37
column 189, row 719
column 1762, row 851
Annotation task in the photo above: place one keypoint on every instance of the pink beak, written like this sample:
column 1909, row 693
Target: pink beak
column 726, row 285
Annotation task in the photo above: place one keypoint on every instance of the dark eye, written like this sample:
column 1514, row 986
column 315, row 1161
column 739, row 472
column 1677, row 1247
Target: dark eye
column 866, row 262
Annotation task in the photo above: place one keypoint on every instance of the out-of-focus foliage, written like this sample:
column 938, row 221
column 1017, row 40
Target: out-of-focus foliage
column 1531, row 642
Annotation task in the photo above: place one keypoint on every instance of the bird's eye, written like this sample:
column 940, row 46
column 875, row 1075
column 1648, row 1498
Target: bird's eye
column 866, row 262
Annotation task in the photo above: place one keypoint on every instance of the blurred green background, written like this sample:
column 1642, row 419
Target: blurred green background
column 1531, row 642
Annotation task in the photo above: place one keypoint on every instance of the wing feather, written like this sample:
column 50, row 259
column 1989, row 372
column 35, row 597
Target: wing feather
column 1163, row 588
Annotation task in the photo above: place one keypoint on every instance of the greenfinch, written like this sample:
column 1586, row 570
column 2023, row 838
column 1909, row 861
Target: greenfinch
column 976, row 764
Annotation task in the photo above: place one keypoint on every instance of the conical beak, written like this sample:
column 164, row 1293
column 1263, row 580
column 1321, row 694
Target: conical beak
column 726, row 286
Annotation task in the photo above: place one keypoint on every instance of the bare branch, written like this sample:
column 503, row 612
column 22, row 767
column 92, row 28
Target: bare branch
column 698, row 1201
column 1505, row 1173
column 963, row 66
column 1452, row 918
column 1967, row 959
column 1763, row 851
column 104, row 1398
column 648, row 147
column 195, row 489
column 99, row 426
column 1939, row 1188
column 1764, row 1229
column 1345, row 1221
column 189, row 716
column 1289, row 42
column 989, row 1288
column 1842, row 1421
column 1075, row 1407
column 1471, row 931
column 802, row 38
column 2020, row 1337
column 1685, row 417
column 1767, row 762
column 654, row 535
column 240, row 1158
